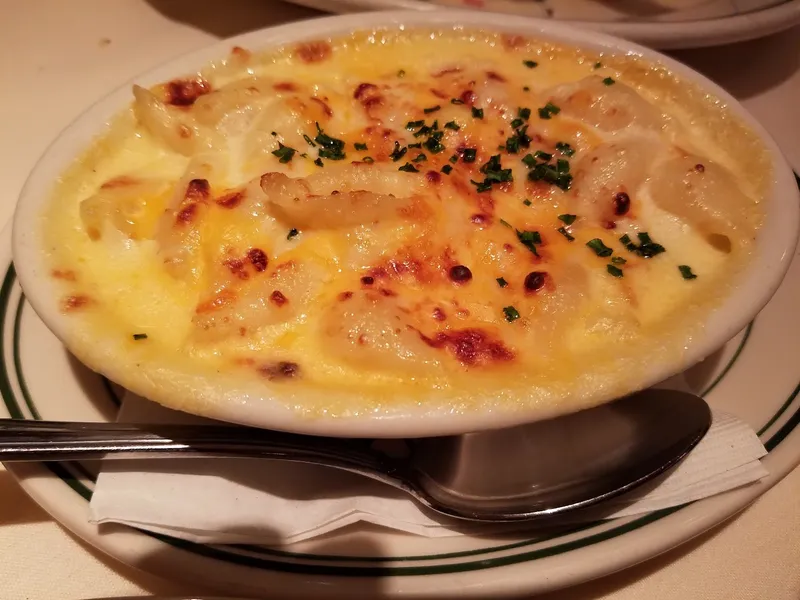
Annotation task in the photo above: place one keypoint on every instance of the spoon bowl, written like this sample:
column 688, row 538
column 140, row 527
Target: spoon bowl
column 529, row 472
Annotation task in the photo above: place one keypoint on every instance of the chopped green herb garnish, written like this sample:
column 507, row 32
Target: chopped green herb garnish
column 453, row 159
column 417, row 145
column 303, row 155
column 318, row 162
column 511, row 313
column 452, row 125
column 686, row 272
column 527, row 202
column 368, row 159
column 530, row 63
column 469, row 155
column 419, row 157
column 599, row 247
column 647, row 248
column 530, row 239
column 520, row 139
column 565, row 149
column 434, row 142
column 477, row 112
column 562, row 166
column 501, row 282
column 505, row 223
column 284, row 153
column 431, row 109
column 401, row 73
column 446, row 169
column 598, row 65
column 139, row 336
column 501, row 147
column 542, row 155
column 481, row 186
column 409, row 168
column 608, row 81
column 529, row 160
column 614, row 271
column 524, row 113
column 412, row 125
column 309, row 141
column 517, row 123
column 567, row 219
column 360, row 146
column 292, row 233
column 563, row 231
column 548, row 110
column 398, row 152
column 618, row 260
column 456, row 101
column 332, row 148
column 550, row 174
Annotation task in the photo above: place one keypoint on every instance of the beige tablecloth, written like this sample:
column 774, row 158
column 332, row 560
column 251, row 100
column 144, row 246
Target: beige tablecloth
column 58, row 56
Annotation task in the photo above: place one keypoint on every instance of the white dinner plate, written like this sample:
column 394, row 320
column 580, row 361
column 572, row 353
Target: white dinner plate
column 663, row 24
column 755, row 377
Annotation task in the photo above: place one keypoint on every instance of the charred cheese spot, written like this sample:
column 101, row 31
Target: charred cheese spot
column 75, row 303
column 472, row 347
column 184, row 92
column 314, row 52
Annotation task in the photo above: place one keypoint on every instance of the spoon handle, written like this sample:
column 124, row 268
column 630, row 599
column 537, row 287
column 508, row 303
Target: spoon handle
column 64, row 441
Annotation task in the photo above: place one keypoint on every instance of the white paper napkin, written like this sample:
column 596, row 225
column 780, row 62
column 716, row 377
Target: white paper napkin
column 269, row 502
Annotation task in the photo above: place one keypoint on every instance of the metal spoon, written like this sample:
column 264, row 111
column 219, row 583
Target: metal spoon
column 525, row 473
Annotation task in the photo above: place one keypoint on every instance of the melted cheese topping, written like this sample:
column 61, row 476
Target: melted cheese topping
column 433, row 215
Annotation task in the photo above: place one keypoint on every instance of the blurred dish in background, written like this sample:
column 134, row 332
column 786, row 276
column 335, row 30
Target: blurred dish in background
column 664, row 24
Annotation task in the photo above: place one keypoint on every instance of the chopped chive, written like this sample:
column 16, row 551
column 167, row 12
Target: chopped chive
column 614, row 271
column 505, row 223
column 452, row 125
column 360, row 146
column 398, row 152
column 284, row 153
column 618, row 260
column 599, row 247
column 563, row 231
column 477, row 112
column 139, row 336
column 292, row 233
column 319, row 162
column 511, row 313
column 542, row 155
column 417, row 145
column 530, row 239
column 411, row 125
column 454, row 159
column 529, row 160
column 686, row 272
column 456, row 101
column 501, row 282
column 432, row 109
column 562, row 166
column 419, row 157
column 527, row 202
column 309, row 141
column 446, row 169
column 548, row 110
column 608, row 81
column 565, row 149
column 524, row 113
column 469, row 155
column 481, row 186
column 530, row 63
column 517, row 123
column 409, row 168
column 368, row 159
column 567, row 219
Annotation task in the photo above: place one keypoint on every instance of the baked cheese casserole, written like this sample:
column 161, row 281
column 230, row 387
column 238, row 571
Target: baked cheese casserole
column 453, row 217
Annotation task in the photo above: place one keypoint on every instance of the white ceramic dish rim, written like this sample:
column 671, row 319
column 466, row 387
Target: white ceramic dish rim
column 776, row 240
column 664, row 35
